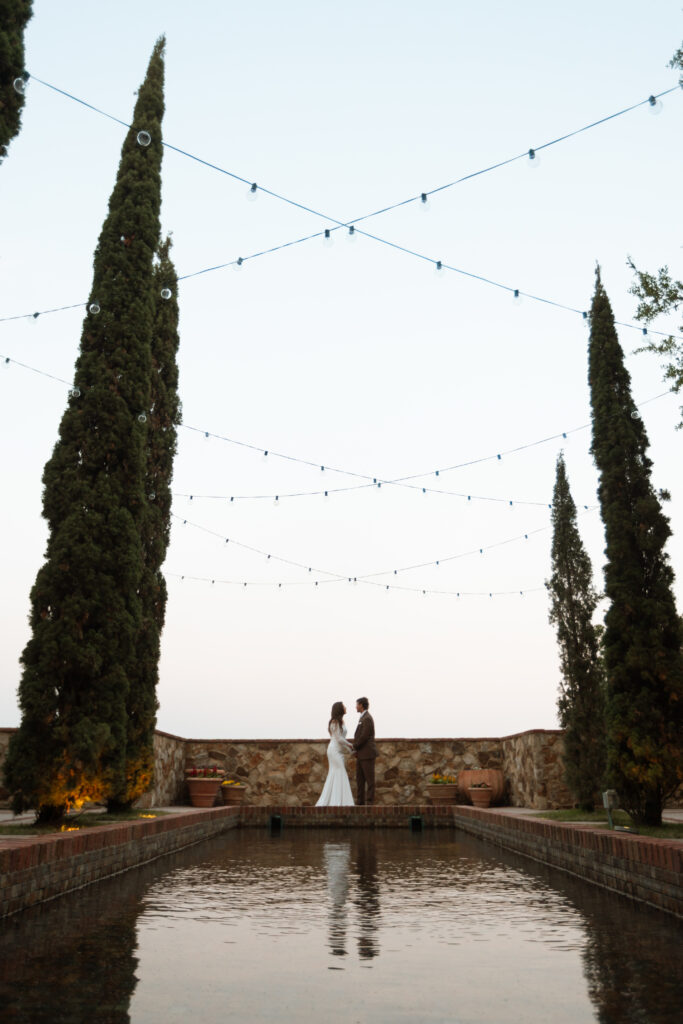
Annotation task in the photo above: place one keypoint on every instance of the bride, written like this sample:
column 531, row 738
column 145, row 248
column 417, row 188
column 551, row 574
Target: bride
column 337, row 791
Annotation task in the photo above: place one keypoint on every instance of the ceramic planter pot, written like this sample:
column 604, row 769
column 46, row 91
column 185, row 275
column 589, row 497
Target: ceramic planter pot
column 203, row 792
column 442, row 793
column 233, row 795
column 491, row 776
column 480, row 796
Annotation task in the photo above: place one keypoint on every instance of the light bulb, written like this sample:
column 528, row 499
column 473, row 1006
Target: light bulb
column 74, row 392
column 152, row 495
column 438, row 268
column 424, row 201
column 166, row 293
column 328, row 240
column 94, row 308
column 635, row 415
column 351, row 237
column 516, row 297
column 277, row 501
column 238, row 264
column 252, row 194
column 19, row 85
column 533, row 158
column 655, row 105
column 144, row 139
column 142, row 418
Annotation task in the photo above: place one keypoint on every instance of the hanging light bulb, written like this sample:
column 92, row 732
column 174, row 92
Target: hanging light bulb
column 328, row 240
column 20, row 84
column 74, row 392
column 238, row 264
column 144, row 139
column 351, row 237
column 533, row 158
column 516, row 297
column 277, row 501
column 166, row 293
column 94, row 308
column 152, row 495
column 265, row 456
column 142, row 418
column 655, row 105
column 424, row 201
column 252, row 194
column 438, row 267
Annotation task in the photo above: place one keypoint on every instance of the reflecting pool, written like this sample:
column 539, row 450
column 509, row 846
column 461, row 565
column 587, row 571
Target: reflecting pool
column 341, row 925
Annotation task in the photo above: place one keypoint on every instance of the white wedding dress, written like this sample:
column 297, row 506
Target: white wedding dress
column 337, row 789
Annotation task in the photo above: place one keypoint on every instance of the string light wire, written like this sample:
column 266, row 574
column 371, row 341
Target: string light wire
column 370, row 481
column 355, row 221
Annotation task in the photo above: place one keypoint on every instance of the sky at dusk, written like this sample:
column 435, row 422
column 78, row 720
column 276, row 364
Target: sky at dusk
column 359, row 356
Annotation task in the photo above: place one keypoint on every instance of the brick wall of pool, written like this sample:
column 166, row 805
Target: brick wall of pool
column 36, row 869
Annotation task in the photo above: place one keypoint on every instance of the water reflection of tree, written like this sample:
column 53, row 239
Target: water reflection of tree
column 631, row 958
column 366, row 897
column 632, row 963
column 337, row 857
column 72, row 960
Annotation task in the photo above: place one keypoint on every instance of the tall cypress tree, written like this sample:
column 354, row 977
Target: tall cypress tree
column 164, row 416
column 572, row 603
column 643, row 633
column 14, row 17
column 86, row 605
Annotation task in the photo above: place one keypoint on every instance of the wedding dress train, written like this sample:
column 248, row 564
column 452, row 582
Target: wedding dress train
column 337, row 789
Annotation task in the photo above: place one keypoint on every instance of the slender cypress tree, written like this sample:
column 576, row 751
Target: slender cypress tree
column 86, row 605
column 141, row 705
column 642, row 643
column 14, row 17
column 572, row 603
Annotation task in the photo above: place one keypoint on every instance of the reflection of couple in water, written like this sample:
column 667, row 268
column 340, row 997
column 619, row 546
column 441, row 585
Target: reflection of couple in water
column 337, row 790
column 365, row 896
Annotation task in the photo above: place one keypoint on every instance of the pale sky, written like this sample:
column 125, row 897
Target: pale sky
column 359, row 356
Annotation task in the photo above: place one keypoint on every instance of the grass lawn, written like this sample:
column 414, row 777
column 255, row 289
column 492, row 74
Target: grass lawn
column 668, row 830
column 75, row 821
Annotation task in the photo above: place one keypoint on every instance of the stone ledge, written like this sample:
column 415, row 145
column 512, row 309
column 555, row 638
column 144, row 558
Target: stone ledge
column 643, row 868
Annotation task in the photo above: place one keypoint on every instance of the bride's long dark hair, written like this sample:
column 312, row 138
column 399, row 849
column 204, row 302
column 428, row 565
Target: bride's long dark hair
column 337, row 715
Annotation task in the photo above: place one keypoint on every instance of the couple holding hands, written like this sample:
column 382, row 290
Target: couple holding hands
column 337, row 790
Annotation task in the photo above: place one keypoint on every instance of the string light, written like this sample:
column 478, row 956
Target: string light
column 372, row 481
column 425, row 591
column 166, row 293
column 252, row 194
column 424, row 196
column 363, row 577
column 656, row 106
column 144, row 139
column 94, row 308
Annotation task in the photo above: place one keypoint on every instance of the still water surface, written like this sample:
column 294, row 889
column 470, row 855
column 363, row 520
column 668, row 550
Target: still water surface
column 348, row 925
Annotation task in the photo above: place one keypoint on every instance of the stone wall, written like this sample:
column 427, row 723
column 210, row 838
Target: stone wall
column 533, row 769
column 292, row 772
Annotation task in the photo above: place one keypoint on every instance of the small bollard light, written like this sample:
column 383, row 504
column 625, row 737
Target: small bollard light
column 416, row 823
column 275, row 825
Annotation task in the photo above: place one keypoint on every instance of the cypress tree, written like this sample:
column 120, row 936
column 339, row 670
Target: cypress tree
column 642, row 642
column 572, row 603
column 14, row 17
column 155, row 528
column 86, row 605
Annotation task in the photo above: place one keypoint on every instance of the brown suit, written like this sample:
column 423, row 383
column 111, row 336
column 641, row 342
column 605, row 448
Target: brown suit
column 366, row 752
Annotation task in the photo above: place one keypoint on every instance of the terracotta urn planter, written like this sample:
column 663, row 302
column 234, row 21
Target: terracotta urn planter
column 442, row 792
column 203, row 791
column 480, row 795
column 491, row 776
column 233, row 795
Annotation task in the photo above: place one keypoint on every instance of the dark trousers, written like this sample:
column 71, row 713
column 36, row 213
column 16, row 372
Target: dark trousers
column 365, row 776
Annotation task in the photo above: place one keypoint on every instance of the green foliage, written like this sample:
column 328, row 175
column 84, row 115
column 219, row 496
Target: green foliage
column 141, row 705
column 14, row 16
column 86, row 603
column 572, row 603
column 660, row 294
column 642, row 640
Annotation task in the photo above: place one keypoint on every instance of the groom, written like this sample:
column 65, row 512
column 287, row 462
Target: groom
column 365, row 752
